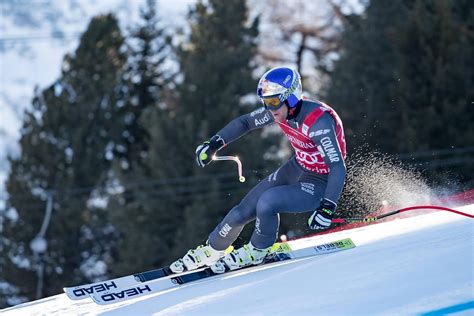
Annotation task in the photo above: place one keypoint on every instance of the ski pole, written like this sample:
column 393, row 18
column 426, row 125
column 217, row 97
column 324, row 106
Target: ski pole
column 411, row 208
column 234, row 158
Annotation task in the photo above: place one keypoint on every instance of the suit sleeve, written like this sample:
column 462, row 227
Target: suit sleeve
column 244, row 124
column 323, row 133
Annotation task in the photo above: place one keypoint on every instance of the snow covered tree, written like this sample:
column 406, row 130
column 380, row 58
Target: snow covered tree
column 216, row 67
column 64, row 154
column 145, row 225
column 175, row 204
column 144, row 83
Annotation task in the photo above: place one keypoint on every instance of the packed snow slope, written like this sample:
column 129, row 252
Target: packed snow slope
column 421, row 265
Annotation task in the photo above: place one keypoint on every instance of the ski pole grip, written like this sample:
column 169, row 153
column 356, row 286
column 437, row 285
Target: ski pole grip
column 233, row 158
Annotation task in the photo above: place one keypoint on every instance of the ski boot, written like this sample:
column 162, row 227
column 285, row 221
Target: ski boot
column 203, row 255
column 242, row 257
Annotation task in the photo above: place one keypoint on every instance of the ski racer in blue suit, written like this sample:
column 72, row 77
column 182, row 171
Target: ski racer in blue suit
column 312, row 179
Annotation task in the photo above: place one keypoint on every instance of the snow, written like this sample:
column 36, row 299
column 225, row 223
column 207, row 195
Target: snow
column 421, row 265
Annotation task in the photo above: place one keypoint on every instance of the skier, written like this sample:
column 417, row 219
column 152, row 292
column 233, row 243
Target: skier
column 311, row 180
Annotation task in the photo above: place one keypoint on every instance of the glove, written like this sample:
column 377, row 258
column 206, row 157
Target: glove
column 322, row 216
column 206, row 150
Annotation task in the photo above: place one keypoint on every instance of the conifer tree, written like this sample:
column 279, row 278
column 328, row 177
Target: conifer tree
column 364, row 77
column 436, row 74
column 402, row 82
column 144, row 223
column 144, row 82
column 65, row 152
column 178, row 204
column 216, row 65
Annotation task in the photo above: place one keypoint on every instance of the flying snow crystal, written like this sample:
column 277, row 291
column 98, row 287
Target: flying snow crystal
column 376, row 181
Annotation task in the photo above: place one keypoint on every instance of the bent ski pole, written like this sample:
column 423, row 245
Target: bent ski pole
column 411, row 208
column 234, row 158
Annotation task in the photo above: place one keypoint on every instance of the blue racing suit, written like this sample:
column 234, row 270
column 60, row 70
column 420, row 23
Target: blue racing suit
column 316, row 171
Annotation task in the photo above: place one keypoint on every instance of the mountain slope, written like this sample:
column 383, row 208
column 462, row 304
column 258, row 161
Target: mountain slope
column 421, row 265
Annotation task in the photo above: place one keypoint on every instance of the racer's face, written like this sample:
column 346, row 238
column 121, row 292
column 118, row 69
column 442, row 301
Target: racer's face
column 280, row 114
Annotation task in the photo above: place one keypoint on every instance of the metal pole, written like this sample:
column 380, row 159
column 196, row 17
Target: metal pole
column 39, row 245
column 411, row 208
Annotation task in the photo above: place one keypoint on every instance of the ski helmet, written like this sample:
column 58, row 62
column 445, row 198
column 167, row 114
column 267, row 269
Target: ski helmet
column 278, row 86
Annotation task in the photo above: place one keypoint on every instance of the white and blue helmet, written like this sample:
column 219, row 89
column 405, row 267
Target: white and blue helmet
column 278, row 85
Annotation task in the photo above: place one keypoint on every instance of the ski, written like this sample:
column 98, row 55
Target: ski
column 114, row 295
column 83, row 291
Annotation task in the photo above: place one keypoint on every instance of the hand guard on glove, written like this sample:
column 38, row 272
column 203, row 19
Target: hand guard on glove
column 322, row 216
column 207, row 150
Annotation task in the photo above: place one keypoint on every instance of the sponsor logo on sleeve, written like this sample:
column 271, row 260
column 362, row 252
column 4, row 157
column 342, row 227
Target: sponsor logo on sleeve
column 262, row 120
column 319, row 132
column 305, row 129
column 329, row 150
column 257, row 111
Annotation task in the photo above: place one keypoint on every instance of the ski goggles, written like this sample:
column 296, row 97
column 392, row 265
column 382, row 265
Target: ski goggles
column 272, row 103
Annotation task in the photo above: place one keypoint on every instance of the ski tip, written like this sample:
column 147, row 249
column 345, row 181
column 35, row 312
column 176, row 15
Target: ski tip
column 99, row 300
column 69, row 291
column 346, row 243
